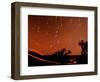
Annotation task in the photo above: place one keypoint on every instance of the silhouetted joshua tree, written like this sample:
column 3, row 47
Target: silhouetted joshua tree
column 81, row 43
column 83, row 47
column 61, row 56
column 63, row 50
column 68, row 52
column 84, row 52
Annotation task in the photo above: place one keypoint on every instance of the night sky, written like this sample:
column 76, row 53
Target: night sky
column 48, row 34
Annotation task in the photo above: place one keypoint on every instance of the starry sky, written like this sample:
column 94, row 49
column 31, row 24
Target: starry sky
column 48, row 34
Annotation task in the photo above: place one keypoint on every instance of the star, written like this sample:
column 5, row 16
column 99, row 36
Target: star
column 51, row 46
column 58, row 41
column 56, row 31
column 38, row 30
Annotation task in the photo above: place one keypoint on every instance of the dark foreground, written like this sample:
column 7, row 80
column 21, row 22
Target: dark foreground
column 35, row 59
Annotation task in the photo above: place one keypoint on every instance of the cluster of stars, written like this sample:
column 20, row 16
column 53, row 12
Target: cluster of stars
column 59, row 25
